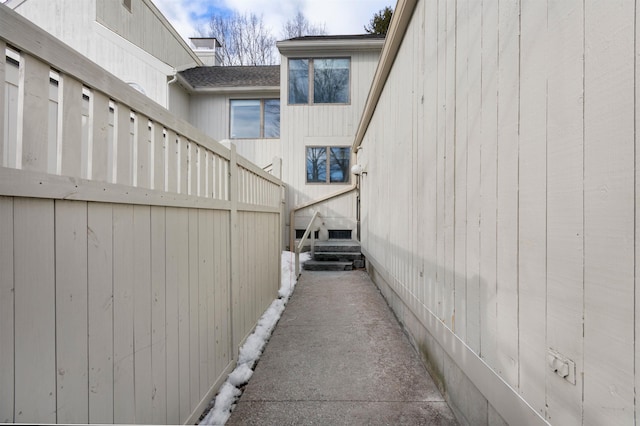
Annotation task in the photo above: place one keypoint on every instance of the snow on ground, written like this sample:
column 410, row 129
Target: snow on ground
column 252, row 349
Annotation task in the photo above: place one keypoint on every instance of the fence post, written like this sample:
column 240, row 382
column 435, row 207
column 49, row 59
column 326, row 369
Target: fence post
column 235, row 250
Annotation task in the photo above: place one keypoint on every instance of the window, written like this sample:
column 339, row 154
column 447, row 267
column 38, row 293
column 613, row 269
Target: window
column 255, row 118
column 328, row 79
column 127, row 4
column 331, row 168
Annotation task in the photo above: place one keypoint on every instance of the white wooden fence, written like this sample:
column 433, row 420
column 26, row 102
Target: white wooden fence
column 136, row 253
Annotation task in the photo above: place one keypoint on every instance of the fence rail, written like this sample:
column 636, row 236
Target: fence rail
column 137, row 253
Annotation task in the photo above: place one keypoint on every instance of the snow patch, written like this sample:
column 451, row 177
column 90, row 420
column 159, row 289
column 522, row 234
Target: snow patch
column 250, row 352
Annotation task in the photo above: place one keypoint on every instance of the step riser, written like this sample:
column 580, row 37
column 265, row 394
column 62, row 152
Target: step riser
column 327, row 266
column 334, row 249
column 337, row 256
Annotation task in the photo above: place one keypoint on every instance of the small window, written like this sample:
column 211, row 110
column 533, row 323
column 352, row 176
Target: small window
column 255, row 118
column 127, row 4
column 328, row 164
column 329, row 79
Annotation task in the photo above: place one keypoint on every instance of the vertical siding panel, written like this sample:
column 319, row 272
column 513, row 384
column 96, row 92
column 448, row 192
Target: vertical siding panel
column 449, row 164
column 158, row 316
column 71, row 127
column 123, row 314
column 142, row 312
column 71, row 312
column 32, row 130
column 100, row 126
column 565, row 205
column 488, row 167
column 609, row 216
column 122, row 133
column 172, row 147
column 637, row 230
column 194, row 296
column 428, row 158
column 182, row 243
column 205, row 299
column 34, row 314
column 144, row 152
column 183, row 165
column 532, row 208
column 461, row 160
column 100, row 289
column 507, row 197
column 172, row 315
column 3, row 160
column 473, row 175
column 221, row 296
column 438, row 289
column 6, row 305
column 159, row 147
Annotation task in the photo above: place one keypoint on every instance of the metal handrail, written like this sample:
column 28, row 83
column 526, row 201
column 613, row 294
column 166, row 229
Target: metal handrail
column 303, row 239
column 292, row 213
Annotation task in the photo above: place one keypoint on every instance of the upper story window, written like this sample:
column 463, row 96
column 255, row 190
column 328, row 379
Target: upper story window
column 319, row 81
column 255, row 118
column 328, row 164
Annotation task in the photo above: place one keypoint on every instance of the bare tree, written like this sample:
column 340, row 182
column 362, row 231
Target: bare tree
column 300, row 26
column 244, row 38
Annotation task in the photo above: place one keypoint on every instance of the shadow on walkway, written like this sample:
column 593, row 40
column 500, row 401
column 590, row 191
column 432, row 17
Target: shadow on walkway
column 339, row 356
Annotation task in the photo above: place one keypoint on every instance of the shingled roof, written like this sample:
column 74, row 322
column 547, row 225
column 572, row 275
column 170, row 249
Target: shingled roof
column 232, row 76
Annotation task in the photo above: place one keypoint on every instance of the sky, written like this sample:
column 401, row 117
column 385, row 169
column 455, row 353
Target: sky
column 339, row 16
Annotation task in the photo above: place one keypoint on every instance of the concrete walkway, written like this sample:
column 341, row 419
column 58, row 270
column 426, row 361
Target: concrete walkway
column 338, row 356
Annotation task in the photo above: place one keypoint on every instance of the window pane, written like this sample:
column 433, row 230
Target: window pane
column 298, row 81
column 316, row 164
column 272, row 118
column 339, row 164
column 331, row 81
column 245, row 119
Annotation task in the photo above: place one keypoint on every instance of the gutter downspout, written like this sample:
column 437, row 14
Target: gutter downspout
column 169, row 83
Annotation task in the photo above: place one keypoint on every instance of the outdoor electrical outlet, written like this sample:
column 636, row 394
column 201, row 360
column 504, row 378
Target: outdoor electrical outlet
column 562, row 366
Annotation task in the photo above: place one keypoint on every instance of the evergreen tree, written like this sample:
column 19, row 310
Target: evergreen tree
column 379, row 24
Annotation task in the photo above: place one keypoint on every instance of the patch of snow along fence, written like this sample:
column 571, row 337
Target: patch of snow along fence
column 250, row 352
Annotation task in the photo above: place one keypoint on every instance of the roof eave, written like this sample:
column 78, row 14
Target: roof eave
column 238, row 90
column 288, row 47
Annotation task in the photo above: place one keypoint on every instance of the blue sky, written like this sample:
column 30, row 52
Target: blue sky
column 339, row 16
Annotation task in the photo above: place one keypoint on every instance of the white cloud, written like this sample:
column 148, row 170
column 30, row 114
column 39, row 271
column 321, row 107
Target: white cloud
column 339, row 16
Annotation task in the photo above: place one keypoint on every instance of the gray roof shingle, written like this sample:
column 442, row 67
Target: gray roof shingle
column 232, row 76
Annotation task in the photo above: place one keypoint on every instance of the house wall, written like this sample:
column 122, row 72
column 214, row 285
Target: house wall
column 323, row 125
column 500, row 206
column 139, row 49
column 210, row 113
column 147, row 28
column 137, row 253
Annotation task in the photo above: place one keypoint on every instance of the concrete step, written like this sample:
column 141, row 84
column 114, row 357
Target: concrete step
column 333, row 246
column 314, row 265
column 337, row 255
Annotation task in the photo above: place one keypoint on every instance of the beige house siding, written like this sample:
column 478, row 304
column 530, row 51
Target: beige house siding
column 323, row 125
column 146, row 53
column 500, row 207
